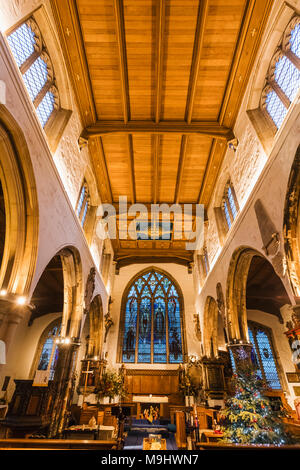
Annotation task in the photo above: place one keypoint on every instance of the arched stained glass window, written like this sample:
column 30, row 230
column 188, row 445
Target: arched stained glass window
column 31, row 56
column 151, row 331
column 229, row 204
column 83, row 203
column 264, row 355
column 49, row 349
column 283, row 79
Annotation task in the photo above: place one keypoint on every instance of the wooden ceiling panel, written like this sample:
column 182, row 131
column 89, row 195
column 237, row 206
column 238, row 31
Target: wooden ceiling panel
column 180, row 27
column 194, row 168
column 139, row 29
column 116, row 152
column 98, row 27
column 142, row 146
column 168, row 164
column 217, row 56
column 159, row 84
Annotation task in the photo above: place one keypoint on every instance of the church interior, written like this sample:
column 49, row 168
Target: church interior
column 150, row 224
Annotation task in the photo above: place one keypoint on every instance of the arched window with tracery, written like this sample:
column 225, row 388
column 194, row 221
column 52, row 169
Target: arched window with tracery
column 32, row 58
column 229, row 205
column 83, row 204
column 152, row 320
column 264, row 355
column 283, row 78
column 47, row 351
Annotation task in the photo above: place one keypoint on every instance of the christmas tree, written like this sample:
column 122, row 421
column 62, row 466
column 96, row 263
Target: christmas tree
column 248, row 417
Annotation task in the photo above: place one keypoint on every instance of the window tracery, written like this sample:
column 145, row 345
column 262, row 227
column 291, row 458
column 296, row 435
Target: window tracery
column 32, row 58
column 152, row 321
column 283, row 79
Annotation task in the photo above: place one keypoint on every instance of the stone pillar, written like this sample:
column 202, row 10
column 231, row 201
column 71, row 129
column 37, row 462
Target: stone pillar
column 62, row 386
column 241, row 352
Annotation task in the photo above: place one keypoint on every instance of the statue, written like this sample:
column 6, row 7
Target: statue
column 108, row 321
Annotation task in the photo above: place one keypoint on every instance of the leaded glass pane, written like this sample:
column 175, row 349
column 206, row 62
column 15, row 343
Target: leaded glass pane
column 232, row 361
column 231, row 202
column 295, row 40
column 254, row 354
column 45, row 108
column 36, row 77
column 175, row 345
column 53, row 364
column 267, row 359
column 46, row 354
column 144, row 344
column 152, row 311
column 129, row 337
column 84, row 213
column 159, row 331
column 227, row 215
column 287, row 76
column 275, row 108
column 22, row 43
column 81, row 199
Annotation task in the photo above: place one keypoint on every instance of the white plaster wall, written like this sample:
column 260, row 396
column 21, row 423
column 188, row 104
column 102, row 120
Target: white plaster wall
column 185, row 281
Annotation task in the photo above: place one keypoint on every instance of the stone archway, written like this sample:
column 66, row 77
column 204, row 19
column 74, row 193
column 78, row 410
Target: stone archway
column 291, row 229
column 21, row 209
column 210, row 329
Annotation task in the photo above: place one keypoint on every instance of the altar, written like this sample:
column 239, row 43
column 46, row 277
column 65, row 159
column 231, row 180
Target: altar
column 146, row 401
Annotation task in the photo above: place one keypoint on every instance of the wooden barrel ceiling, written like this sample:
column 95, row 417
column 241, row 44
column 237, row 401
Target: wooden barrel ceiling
column 159, row 84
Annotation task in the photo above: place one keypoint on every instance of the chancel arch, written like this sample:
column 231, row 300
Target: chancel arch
column 152, row 320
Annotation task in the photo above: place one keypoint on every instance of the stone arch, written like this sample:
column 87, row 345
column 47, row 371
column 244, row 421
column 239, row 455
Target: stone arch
column 21, row 206
column 291, row 229
column 240, row 285
column 96, row 327
column 73, row 292
column 210, row 327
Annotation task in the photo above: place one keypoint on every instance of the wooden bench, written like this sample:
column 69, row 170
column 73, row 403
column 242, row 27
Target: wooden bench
column 59, row 444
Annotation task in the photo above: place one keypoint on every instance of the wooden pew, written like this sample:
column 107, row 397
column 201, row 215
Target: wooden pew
column 59, row 444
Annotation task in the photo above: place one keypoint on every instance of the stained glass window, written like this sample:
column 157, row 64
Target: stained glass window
column 229, row 205
column 264, row 355
column 49, row 354
column 31, row 57
column 283, row 80
column 152, row 331
column 83, row 203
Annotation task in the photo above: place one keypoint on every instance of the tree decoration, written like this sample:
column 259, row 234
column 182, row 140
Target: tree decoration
column 248, row 417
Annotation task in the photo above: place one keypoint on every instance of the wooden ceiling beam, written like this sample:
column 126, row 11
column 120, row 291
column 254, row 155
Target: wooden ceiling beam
column 255, row 18
column 207, row 128
column 198, row 46
column 69, row 30
column 98, row 154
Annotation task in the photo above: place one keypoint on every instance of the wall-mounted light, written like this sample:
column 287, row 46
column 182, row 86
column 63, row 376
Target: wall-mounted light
column 21, row 300
column 3, row 292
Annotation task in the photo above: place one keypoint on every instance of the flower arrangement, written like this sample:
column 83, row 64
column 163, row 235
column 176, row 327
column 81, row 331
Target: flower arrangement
column 188, row 387
column 111, row 385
